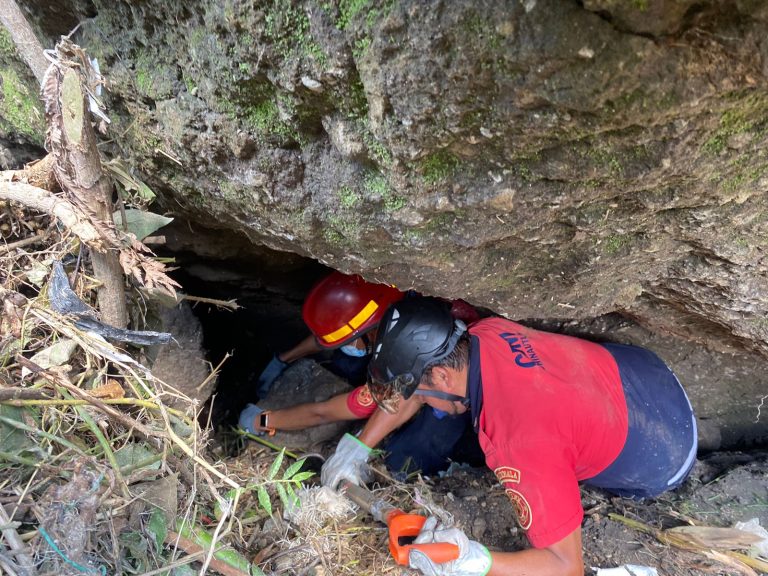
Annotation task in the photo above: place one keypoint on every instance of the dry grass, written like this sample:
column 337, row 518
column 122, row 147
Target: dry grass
column 106, row 469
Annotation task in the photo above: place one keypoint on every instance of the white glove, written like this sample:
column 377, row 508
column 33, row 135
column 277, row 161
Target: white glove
column 474, row 558
column 349, row 462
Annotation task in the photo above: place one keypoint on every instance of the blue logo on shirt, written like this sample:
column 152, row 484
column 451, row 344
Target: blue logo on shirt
column 525, row 355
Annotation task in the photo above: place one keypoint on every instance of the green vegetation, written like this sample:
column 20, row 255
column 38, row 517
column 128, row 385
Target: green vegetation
column 263, row 117
column 377, row 151
column 746, row 116
column 356, row 101
column 20, row 109
column 376, row 188
column 348, row 9
column 287, row 27
column 7, row 47
column 348, row 197
column 616, row 242
column 482, row 29
column 153, row 79
column 361, row 47
column 438, row 167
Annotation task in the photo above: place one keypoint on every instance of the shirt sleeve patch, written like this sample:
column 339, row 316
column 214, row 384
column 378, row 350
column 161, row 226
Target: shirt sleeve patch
column 521, row 507
column 360, row 402
column 364, row 397
column 507, row 474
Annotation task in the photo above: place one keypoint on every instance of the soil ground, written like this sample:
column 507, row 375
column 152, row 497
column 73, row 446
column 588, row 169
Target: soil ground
column 724, row 488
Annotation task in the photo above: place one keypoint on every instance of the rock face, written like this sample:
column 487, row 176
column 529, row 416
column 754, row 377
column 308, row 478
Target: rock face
column 541, row 158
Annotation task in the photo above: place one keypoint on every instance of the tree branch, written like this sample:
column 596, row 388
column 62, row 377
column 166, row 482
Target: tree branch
column 27, row 44
column 44, row 201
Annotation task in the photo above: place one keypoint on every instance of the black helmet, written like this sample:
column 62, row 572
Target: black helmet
column 413, row 334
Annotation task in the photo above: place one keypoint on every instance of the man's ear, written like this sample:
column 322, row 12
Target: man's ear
column 440, row 378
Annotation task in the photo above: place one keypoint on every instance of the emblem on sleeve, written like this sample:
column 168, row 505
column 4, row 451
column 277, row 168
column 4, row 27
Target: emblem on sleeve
column 507, row 474
column 522, row 508
column 364, row 397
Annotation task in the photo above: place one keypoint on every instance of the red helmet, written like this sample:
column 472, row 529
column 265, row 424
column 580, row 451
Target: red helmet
column 341, row 308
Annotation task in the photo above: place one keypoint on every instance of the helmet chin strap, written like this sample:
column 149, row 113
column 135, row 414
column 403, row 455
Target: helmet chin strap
column 442, row 396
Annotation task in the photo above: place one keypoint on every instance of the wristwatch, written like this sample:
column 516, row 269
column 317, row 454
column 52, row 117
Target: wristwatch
column 264, row 423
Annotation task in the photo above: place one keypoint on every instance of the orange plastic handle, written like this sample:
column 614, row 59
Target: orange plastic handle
column 405, row 527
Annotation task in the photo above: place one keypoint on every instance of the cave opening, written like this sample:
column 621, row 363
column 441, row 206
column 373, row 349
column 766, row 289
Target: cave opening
column 269, row 288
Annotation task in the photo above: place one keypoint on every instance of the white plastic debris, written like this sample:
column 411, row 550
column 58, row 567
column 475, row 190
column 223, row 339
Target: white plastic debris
column 753, row 527
column 627, row 570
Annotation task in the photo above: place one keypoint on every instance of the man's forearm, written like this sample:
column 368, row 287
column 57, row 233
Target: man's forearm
column 311, row 414
column 304, row 348
column 561, row 559
column 381, row 424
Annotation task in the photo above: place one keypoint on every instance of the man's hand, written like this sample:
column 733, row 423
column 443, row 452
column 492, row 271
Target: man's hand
column 269, row 375
column 349, row 462
column 474, row 558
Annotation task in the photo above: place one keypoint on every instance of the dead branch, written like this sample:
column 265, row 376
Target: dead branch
column 16, row 544
column 16, row 393
column 27, row 44
column 44, row 201
column 71, row 140
column 116, row 415
column 190, row 547
column 28, row 241
column 38, row 173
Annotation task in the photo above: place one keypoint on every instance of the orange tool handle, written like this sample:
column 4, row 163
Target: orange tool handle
column 403, row 529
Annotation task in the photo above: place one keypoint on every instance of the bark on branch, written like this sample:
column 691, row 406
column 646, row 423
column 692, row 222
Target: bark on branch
column 29, row 48
column 44, row 201
column 72, row 141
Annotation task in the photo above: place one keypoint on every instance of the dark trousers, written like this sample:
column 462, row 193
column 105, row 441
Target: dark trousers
column 660, row 449
column 428, row 443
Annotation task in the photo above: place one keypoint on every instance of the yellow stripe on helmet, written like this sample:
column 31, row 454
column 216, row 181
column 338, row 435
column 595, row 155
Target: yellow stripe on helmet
column 364, row 314
column 353, row 324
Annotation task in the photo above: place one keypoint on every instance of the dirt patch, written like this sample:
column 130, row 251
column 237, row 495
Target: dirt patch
column 723, row 489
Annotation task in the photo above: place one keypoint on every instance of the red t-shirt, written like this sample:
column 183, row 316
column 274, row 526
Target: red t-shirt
column 553, row 414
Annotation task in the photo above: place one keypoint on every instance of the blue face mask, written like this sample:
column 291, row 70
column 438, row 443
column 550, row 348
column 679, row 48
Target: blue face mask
column 354, row 351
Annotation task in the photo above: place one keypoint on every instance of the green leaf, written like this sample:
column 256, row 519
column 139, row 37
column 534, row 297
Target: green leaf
column 294, row 499
column 134, row 454
column 292, row 469
column 283, row 495
column 145, row 192
column 121, row 173
column 302, row 476
column 264, row 500
column 157, row 527
column 141, row 223
column 38, row 271
column 273, row 469
column 56, row 354
column 12, row 440
column 135, row 545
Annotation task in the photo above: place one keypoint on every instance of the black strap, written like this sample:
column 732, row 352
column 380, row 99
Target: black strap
column 442, row 395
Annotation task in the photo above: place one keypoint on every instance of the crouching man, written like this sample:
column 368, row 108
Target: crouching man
column 550, row 411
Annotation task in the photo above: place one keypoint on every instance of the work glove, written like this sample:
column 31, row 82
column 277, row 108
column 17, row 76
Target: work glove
column 474, row 558
column 247, row 420
column 349, row 462
column 269, row 375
